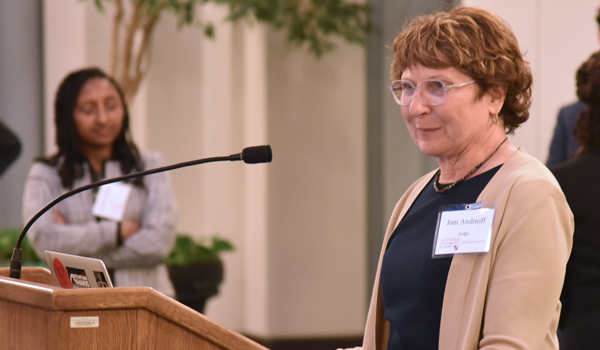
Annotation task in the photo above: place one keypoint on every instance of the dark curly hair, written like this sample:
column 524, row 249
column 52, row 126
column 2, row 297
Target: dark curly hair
column 587, row 126
column 477, row 43
column 69, row 158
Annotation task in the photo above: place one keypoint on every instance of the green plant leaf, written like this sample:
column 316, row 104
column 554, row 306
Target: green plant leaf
column 220, row 245
column 99, row 5
column 8, row 241
column 209, row 31
column 187, row 250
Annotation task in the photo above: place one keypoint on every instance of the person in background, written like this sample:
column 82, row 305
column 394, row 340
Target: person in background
column 580, row 319
column 10, row 147
column 94, row 142
column 489, row 273
column 563, row 145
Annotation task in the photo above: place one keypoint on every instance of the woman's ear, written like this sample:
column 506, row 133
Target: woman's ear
column 497, row 96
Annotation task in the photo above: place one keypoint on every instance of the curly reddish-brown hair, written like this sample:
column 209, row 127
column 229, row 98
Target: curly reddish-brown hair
column 477, row 43
column 587, row 126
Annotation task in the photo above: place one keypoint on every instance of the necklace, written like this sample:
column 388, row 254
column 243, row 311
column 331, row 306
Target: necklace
column 436, row 183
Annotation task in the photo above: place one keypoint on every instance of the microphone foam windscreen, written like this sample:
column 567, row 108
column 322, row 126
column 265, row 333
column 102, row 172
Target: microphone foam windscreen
column 257, row 154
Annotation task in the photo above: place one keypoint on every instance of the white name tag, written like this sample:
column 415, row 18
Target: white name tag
column 110, row 201
column 463, row 229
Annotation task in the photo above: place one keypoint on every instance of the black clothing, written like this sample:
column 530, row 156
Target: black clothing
column 10, row 147
column 412, row 282
column 580, row 316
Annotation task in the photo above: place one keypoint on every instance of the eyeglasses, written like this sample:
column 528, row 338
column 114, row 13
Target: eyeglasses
column 433, row 91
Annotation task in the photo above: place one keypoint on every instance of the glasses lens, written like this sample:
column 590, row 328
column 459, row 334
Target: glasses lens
column 403, row 91
column 435, row 91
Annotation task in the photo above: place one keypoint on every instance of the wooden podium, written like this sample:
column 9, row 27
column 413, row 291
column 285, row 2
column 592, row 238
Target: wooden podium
column 34, row 314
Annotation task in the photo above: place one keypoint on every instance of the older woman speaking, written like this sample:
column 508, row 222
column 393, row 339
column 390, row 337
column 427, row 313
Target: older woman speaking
column 475, row 253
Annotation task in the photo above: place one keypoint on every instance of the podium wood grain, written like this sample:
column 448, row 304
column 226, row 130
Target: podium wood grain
column 37, row 315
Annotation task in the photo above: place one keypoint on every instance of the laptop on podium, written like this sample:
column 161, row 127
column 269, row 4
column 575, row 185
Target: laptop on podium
column 73, row 271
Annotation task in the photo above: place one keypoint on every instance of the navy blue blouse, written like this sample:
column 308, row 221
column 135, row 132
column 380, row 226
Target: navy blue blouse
column 412, row 282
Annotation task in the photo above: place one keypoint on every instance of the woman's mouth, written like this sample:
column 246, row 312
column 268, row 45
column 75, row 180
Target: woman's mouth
column 426, row 131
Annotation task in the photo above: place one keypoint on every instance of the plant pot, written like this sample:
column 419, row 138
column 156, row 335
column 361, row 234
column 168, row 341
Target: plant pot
column 196, row 282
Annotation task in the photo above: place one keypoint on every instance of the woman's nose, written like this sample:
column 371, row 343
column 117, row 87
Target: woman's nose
column 418, row 105
column 102, row 115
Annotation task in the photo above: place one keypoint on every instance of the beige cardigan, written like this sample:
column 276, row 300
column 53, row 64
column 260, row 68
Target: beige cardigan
column 509, row 297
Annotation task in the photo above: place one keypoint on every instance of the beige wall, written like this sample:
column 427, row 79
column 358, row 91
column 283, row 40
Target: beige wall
column 299, row 223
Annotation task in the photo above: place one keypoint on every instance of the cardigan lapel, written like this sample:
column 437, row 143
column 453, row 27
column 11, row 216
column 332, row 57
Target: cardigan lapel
column 466, row 287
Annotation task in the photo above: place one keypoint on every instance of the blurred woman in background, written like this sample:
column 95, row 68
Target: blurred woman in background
column 94, row 142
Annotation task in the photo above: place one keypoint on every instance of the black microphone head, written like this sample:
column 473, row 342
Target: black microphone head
column 257, row 154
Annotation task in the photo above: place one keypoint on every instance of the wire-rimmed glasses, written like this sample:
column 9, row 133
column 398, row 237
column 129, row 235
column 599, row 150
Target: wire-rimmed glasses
column 433, row 91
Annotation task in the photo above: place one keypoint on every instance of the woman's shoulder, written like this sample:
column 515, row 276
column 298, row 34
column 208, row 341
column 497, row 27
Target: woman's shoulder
column 526, row 177
column 152, row 160
column 41, row 167
column 523, row 167
column 44, row 172
column 413, row 191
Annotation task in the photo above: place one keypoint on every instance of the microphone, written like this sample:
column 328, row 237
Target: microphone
column 250, row 155
column 254, row 155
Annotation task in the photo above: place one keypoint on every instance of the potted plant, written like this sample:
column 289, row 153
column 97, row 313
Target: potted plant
column 8, row 241
column 196, row 269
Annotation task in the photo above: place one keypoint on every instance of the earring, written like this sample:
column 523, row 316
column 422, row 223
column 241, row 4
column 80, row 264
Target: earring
column 495, row 118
